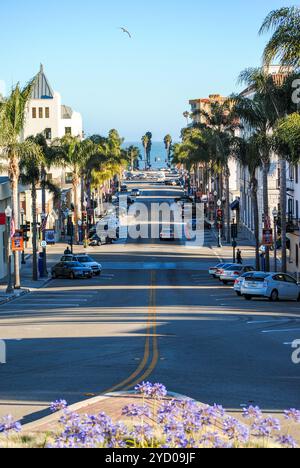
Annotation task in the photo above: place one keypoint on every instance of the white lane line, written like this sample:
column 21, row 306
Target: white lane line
column 50, row 300
column 265, row 321
column 281, row 331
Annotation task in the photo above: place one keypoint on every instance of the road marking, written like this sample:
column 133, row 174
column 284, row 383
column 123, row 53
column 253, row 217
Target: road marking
column 281, row 331
column 132, row 380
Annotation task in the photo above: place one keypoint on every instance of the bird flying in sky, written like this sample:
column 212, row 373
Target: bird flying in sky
column 126, row 32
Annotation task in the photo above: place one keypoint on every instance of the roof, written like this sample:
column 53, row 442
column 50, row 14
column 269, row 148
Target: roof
column 41, row 87
column 66, row 112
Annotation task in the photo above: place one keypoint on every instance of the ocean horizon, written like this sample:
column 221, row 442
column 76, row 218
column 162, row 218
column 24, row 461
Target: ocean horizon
column 158, row 153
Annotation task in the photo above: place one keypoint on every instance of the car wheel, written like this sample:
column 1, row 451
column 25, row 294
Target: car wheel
column 274, row 296
column 298, row 300
column 54, row 275
column 238, row 293
column 225, row 282
column 248, row 298
column 98, row 273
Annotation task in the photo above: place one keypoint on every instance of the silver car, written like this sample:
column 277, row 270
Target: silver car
column 274, row 286
column 230, row 274
column 239, row 282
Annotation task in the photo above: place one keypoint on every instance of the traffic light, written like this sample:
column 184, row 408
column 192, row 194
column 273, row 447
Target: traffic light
column 220, row 219
column 84, row 217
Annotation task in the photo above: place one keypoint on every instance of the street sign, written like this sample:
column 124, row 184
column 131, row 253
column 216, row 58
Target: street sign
column 43, row 244
column 17, row 242
column 268, row 237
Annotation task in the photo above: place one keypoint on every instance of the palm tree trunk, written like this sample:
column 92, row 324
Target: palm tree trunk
column 266, row 168
column 44, row 175
column 283, row 213
column 254, row 186
column 14, row 176
column 75, row 184
column 34, row 234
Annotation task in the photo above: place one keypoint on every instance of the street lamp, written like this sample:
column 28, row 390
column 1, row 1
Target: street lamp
column 275, row 217
column 8, row 214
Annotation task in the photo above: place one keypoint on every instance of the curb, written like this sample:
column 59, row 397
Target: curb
column 54, row 418
column 15, row 297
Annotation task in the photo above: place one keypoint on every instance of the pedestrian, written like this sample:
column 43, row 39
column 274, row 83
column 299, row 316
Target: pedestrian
column 239, row 257
column 68, row 251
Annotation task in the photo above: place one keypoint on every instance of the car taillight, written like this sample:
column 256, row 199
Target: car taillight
column 236, row 281
column 236, row 273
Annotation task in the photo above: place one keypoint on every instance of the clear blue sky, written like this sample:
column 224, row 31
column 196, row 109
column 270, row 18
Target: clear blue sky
column 180, row 50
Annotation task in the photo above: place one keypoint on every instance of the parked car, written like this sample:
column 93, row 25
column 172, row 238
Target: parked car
column 85, row 261
column 167, row 234
column 124, row 188
column 212, row 270
column 274, row 286
column 96, row 241
column 72, row 270
column 221, row 270
column 135, row 192
column 230, row 274
column 239, row 281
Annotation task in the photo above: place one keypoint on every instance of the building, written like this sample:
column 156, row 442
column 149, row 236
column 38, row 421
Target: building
column 204, row 105
column 47, row 115
column 5, row 201
column 293, row 218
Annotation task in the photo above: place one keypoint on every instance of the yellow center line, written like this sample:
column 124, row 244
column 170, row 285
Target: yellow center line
column 151, row 324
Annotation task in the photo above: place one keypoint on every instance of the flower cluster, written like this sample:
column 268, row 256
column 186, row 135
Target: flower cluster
column 167, row 423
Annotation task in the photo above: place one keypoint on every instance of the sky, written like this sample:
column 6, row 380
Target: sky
column 179, row 50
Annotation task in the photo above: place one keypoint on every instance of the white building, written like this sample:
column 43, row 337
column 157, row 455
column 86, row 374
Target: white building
column 46, row 114
column 293, row 212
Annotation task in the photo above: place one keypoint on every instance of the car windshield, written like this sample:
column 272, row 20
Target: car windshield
column 85, row 259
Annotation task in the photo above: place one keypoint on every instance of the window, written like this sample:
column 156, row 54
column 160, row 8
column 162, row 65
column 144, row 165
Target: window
column 289, row 279
column 68, row 131
column 47, row 113
column 69, row 177
column 34, row 112
column 49, row 177
column 41, row 113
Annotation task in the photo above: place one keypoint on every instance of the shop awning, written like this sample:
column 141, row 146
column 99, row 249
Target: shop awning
column 235, row 205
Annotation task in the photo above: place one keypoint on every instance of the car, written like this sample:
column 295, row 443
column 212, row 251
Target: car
column 96, row 241
column 86, row 261
column 239, row 281
column 124, row 188
column 135, row 192
column 274, row 286
column 212, row 270
column 167, row 234
column 72, row 270
column 230, row 274
column 221, row 270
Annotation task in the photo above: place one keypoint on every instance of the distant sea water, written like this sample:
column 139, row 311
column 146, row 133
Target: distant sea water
column 158, row 153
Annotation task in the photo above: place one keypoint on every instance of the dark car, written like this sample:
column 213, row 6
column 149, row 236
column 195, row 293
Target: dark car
column 72, row 270
column 124, row 188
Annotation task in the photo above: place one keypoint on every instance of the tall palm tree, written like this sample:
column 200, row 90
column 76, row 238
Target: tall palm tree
column 73, row 152
column 12, row 119
column 186, row 115
column 32, row 164
column 145, row 142
column 168, row 145
column 285, row 41
column 133, row 156
column 247, row 153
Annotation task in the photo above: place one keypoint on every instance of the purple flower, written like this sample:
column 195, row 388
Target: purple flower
column 144, row 389
column 212, row 440
column 236, row 431
column 134, row 411
column 177, row 440
column 58, row 405
column 292, row 415
column 265, row 427
column 8, row 424
column 253, row 412
column 142, row 432
column 287, row 442
column 158, row 391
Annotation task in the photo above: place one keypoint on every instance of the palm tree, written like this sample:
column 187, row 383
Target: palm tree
column 133, row 156
column 145, row 142
column 168, row 145
column 186, row 115
column 247, row 153
column 12, row 118
column 285, row 41
column 73, row 152
column 32, row 165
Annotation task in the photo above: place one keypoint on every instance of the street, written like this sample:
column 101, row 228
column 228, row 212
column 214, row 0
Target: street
column 156, row 315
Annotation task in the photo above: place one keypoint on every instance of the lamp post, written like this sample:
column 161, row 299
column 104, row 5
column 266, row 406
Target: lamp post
column 275, row 217
column 219, row 204
column 8, row 214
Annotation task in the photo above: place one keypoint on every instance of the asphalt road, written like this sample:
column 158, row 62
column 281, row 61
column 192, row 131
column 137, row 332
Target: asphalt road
column 156, row 315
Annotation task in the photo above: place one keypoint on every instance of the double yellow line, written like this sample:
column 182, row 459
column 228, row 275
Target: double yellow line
column 151, row 353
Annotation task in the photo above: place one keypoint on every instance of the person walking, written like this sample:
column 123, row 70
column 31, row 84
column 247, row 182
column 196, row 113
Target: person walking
column 239, row 257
